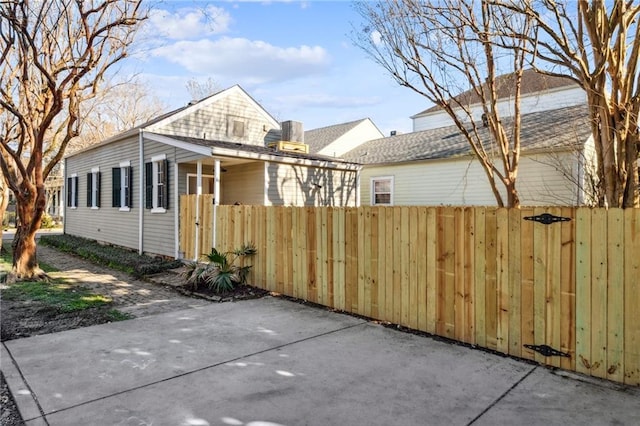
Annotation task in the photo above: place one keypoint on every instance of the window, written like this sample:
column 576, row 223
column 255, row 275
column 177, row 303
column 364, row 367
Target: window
column 93, row 188
column 235, row 126
column 382, row 191
column 72, row 191
column 156, row 175
column 122, row 184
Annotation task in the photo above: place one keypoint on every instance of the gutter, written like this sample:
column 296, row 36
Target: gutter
column 141, row 187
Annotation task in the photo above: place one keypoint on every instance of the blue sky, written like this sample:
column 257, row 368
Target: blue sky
column 294, row 57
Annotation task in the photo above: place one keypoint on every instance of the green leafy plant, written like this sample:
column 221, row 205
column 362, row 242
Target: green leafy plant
column 221, row 273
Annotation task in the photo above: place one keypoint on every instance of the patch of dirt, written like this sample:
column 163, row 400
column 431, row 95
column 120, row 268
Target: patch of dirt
column 241, row 292
column 9, row 415
column 31, row 318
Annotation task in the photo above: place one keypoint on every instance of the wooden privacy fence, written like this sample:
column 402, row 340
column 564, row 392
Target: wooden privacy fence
column 485, row 276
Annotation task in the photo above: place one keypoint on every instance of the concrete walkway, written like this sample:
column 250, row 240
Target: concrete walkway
column 271, row 362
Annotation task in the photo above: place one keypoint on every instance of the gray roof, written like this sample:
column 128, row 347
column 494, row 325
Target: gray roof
column 323, row 136
column 564, row 127
column 256, row 149
column 532, row 82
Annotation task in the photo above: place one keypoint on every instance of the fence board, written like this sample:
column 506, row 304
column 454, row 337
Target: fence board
column 615, row 295
column 632, row 297
column 480, row 275
column 598, row 293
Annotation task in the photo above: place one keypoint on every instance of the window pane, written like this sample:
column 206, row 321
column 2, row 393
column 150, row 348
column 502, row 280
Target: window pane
column 382, row 186
column 383, row 199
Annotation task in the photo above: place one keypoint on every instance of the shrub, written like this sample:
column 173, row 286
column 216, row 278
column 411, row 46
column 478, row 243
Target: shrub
column 47, row 222
column 220, row 274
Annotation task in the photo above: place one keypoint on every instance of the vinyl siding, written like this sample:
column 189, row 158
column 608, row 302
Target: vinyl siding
column 533, row 103
column 243, row 183
column 107, row 224
column 289, row 185
column 159, row 228
column 214, row 120
column 542, row 180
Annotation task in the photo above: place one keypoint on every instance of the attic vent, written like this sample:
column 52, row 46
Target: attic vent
column 393, row 133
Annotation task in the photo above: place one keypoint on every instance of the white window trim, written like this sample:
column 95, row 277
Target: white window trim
column 94, row 188
column 124, row 165
column 74, row 199
column 373, row 194
column 154, row 161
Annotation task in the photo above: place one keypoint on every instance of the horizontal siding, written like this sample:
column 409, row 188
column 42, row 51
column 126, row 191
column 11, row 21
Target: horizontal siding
column 529, row 104
column 542, row 180
column 243, row 184
column 159, row 235
column 212, row 121
column 290, row 185
column 107, row 224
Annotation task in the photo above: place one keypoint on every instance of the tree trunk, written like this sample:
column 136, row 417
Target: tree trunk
column 4, row 202
column 29, row 212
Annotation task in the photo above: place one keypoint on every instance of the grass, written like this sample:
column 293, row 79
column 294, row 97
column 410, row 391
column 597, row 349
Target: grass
column 57, row 294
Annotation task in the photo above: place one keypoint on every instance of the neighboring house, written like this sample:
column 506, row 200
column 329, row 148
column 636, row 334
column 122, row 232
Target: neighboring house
column 339, row 139
column 435, row 165
column 126, row 190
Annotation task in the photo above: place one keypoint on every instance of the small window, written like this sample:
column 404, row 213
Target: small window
column 93, row 188
column 236, row 127
column 72, row 191
column 157, row 184
column 122, row 184
column 382, row 191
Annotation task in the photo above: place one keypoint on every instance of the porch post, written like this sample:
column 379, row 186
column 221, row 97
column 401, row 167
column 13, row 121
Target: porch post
column 216, row 198
column 196, row 254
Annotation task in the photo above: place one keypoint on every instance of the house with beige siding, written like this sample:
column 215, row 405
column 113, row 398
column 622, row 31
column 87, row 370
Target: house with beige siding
column 338, row 139
column 434, row 164
column 126, row 190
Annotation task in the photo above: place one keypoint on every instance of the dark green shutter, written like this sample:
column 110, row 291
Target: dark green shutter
column 76, row 191
column 129, row 195
column 98, row 188
column 115, row 184
column 148, row 185
column 69, row 187
column 166, row 184
column 89, row 179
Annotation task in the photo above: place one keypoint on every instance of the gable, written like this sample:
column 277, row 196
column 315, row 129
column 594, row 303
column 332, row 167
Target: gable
column 231, row 115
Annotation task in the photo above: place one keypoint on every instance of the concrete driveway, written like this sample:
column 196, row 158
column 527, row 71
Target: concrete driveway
column 273, row 362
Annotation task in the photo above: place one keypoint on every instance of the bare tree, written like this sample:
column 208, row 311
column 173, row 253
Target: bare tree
column 443, row 48
column 4, row 203
column 596, row 44
column 201, row 89
column 54, row 55
column 118, row 107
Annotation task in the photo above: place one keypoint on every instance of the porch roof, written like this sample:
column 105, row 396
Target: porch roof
column 218, row 148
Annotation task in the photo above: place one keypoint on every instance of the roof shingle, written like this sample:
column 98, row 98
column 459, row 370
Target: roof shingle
column 562, row 127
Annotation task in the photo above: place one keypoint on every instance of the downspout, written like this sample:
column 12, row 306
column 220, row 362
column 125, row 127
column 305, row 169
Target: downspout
column 64, row 192
column 176, row 213
column 141, row 195
column 196, row 248
column 216, row 199
column 358, row 188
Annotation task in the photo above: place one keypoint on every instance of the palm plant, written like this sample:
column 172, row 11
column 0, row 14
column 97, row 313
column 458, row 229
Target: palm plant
column 221, row 273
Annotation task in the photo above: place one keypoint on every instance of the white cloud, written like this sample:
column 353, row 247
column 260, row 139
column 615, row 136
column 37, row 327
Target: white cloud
column 188, row 23
column 246, row 61
column 376, row 37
